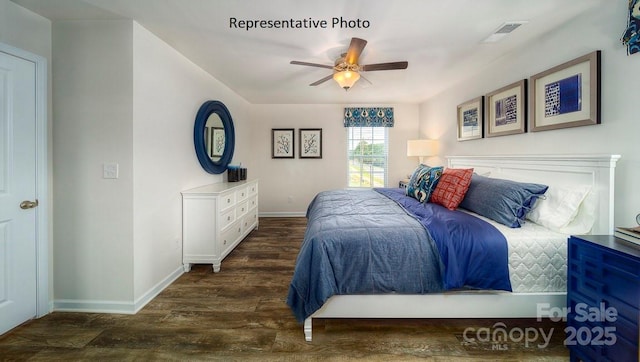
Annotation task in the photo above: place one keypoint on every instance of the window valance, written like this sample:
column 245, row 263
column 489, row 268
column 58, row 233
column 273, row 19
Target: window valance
column 368, row 117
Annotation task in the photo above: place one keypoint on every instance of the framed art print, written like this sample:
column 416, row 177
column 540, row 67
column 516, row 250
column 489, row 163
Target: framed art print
column 506, row 110
column 567, row 95
column 470, row 119
column 310, row 143
column 282, row 143
column 217, row 141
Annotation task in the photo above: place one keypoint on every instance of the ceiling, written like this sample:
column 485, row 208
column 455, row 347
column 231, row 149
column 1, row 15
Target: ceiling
column 441, row 40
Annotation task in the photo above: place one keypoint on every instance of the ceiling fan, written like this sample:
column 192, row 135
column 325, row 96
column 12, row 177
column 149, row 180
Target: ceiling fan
column 346, row 70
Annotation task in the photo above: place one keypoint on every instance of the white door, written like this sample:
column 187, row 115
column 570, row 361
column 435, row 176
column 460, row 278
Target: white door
column 18, row 297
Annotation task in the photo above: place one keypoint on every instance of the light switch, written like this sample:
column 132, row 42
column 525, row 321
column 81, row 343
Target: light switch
column 110, row 170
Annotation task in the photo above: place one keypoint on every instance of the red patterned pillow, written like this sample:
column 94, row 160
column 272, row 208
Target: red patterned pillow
column 452, row 187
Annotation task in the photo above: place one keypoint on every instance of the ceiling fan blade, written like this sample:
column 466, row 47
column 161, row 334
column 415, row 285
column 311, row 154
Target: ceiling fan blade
column 384, row 66
column 317, row 82
column 312, row 64
column 355, row 49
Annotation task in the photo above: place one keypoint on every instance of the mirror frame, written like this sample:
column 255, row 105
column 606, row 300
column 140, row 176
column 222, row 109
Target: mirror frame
column 208, row 108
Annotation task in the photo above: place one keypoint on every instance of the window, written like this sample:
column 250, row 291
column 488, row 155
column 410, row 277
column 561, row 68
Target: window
column 367, row 155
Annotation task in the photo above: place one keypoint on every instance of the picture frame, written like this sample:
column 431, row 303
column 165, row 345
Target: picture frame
column 217, row 141
column 310, row 143
column 567, row 95
column 471, row 119
column 506, row 110
column 282, row 143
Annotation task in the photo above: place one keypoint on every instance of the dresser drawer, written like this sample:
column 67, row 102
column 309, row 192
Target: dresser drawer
column 227, row 200
column 250, row 220
column 227, row 218
column 229, row 236
column 252, row 189
column 242, row 209
column 253, row 202
column 599, row 274
column 626, row 349
column 241, row 194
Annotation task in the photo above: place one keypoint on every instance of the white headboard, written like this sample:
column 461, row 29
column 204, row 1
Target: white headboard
column 554, row 170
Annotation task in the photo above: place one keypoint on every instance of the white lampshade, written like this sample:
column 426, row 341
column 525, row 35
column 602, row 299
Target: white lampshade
column 422, row 148
column 346, row 78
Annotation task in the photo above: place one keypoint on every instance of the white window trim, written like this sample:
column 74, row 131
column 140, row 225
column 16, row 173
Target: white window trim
column 386, row 157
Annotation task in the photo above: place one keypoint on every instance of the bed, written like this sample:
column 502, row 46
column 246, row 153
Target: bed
column 445, row 285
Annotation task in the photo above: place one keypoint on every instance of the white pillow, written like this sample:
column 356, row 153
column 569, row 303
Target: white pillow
column 559, row 207
column 586, row 217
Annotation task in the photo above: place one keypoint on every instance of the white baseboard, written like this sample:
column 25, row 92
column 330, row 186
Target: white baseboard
column 93, row 306
column 116, row 307
column 158, row 288
column 283, row 214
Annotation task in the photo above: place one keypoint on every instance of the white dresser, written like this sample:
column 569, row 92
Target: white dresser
column 215, row 218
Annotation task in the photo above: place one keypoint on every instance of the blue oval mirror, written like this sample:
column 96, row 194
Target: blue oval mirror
column 214, row 137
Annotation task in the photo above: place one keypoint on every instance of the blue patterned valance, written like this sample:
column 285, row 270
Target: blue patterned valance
column 368, row 117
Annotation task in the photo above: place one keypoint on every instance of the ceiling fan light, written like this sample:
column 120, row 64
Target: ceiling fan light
column 346, row 78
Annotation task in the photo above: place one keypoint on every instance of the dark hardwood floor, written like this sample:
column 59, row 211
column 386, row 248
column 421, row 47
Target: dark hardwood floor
column 240, row 314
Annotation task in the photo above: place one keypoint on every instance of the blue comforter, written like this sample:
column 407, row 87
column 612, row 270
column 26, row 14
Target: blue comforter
column 362, row 242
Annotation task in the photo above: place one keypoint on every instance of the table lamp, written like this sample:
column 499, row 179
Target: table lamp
column 422, row 148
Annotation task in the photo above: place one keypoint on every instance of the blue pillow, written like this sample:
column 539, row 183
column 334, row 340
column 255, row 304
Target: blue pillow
column 504, row 201
column 423, row 180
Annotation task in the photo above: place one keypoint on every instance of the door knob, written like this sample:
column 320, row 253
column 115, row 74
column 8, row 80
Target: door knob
column 28, row 204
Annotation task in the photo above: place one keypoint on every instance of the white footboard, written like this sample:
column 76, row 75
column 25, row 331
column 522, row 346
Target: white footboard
column 444, row 305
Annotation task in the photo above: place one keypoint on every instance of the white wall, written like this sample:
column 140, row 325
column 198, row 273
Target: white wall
column 93, row 110
column 168, row 89
column 24, row 29
column 124, row 96
column 599, row 29
column 288, row 185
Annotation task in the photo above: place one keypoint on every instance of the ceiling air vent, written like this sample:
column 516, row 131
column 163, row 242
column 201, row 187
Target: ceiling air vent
column 503, row 30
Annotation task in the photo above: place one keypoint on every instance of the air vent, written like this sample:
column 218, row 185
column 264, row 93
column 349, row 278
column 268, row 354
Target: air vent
column 503, row 30
column 507, row 28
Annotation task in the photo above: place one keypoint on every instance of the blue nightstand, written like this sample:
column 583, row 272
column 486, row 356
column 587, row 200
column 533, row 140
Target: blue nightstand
column 603, row 297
